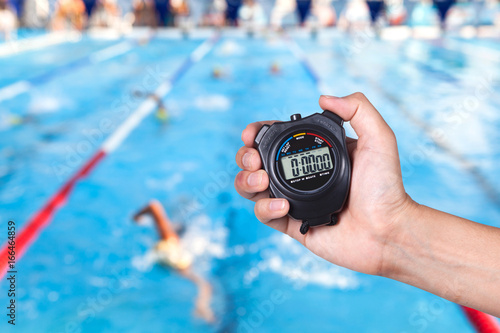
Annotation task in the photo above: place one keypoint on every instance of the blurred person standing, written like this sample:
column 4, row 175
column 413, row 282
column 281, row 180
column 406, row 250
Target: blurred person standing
column 443, row 6
column 179, row 10
column 489, row 14
column 8, row 21
column 376, row 8
column 281, row 9
column 89, row 6
column 232, row 12
column 163, row 16
column 396, row 12
column 303, row 9
column 69, row 15
column 36, row 14
column 252, row 15
column 424, row 14
column 106, row 14
column 324, row 13
column 356, row 16
column 144, row 13
column 214, row 14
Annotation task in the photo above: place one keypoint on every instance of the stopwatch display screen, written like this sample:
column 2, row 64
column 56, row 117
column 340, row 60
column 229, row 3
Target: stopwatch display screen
column 305, row 161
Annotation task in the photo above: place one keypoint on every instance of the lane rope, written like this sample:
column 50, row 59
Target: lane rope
column 482, row 322
column 32, row 229
column 19, row 87
column 38, row 42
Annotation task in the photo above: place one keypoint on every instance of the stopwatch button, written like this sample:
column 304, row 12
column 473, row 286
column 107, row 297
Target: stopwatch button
column 295, row 117
column 333, row 117
column 261, row 133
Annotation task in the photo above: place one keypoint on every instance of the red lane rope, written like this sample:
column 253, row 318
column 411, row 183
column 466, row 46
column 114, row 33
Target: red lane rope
column 33, row 228
column 482, row 322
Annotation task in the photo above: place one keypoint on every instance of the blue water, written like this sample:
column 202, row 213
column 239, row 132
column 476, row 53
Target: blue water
column 89, row 270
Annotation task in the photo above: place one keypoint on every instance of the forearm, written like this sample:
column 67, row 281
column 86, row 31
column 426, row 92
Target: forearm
column 451, row 257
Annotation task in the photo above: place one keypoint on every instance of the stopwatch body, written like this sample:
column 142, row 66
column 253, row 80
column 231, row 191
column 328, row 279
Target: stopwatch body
column 308, row 164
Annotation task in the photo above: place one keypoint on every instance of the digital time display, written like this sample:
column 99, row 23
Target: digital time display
column 306, row 163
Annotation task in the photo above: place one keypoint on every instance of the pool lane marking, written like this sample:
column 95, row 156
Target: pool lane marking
column 111, row 52
column 42, row 218
column 475, row 51
column 304, row 61
column 152, row 101
column 144, row 109
column 14, row 89
column 93, row 58
column 491, row 192
column 38, row 42
column 482, row 322
column 302, row 57
column 32, row 229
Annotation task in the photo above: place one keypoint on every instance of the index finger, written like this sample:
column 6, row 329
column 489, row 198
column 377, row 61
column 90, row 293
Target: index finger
column 250, row 132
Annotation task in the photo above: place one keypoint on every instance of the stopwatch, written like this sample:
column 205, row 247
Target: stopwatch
column 308, row 164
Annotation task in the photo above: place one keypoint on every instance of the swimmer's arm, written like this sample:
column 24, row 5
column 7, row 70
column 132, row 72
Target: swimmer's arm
column 449, row 256
column 204, row 297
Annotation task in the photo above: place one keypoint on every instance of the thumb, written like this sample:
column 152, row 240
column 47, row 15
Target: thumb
column 371, row 128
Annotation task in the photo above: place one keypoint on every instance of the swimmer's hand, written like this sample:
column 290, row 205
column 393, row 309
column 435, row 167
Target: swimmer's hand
column 377, row 198
column 382, row 230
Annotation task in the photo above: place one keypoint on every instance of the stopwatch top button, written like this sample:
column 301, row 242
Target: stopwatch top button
column 295, row 117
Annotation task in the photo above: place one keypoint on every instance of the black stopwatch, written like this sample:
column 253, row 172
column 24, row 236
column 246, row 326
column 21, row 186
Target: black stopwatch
column 308, row 164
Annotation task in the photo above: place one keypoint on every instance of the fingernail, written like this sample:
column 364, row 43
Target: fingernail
column 328, row 96
column 277, row 205
column 255, row 179
column 246, row 160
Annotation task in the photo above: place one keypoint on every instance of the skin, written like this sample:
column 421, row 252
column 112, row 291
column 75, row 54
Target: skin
column 382, row 231
column 166, row 231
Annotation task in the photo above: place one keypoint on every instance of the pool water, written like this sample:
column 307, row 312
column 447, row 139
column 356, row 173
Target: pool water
column 90, row 269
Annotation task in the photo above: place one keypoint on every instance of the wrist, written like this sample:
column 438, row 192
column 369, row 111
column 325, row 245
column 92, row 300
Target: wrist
column 396, row 246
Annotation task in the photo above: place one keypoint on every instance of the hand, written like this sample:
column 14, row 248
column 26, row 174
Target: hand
column 377, row 199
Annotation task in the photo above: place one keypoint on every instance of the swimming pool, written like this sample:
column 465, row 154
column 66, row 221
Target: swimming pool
column 89, row 269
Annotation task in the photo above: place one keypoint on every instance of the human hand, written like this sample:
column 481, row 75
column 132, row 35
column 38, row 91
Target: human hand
column 377, row 199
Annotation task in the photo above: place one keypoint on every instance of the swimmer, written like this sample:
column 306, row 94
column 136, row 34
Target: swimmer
column 217, row 72
column 382, row 230
column 161, row 111
column 172, row 255
column 275, row 68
